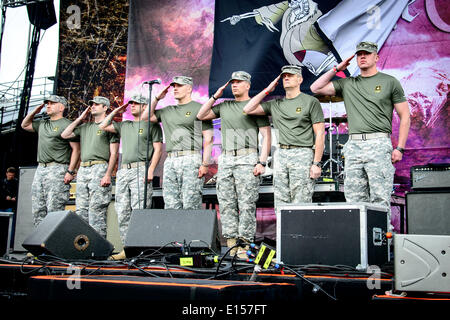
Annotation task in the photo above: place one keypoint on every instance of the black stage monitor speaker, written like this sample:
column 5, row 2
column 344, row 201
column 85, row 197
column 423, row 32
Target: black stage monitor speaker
column 64, row 234
column 427, row 212
column 154, row 231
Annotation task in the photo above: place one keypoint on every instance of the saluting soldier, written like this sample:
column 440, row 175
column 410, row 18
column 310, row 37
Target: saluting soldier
column 240, row 167
column 99, row 151
column 130, row 177
column 186, row 164
column 297, row 118
column 56, row 156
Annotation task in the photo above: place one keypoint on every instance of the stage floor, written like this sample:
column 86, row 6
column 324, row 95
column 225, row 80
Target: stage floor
column 233, row 288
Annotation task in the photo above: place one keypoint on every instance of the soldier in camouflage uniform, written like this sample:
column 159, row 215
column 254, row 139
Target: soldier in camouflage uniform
column 369, row 99
column 130, row 177
column 296, row 119
column 239, row 166
column 99, row 150
column 185, row 167
column 57, row 159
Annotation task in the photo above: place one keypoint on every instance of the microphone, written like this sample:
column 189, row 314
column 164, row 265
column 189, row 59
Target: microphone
column 158, row 81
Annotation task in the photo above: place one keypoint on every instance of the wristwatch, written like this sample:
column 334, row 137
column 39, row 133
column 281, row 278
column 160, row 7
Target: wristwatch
column 261, row 163
column 400, row 149
column 72, row 173
column 317, row 163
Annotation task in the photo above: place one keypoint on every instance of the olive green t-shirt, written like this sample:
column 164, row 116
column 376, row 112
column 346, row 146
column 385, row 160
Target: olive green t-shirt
column 369, row 101
column 94, row 141
column 293, row 119
column 182, row 129
column 134, row 139
column 51, row 147
column 238, row 129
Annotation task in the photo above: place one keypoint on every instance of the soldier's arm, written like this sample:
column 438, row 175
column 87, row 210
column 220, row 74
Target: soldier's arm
column 113, row 154
column 157, row 151
column 402, row 109
column 68, row 132
column 253, row 107
column 74, row 158
column 205, row 112
column 208, row 138
column 106, row 124
column 323, row 85
column 27, row 122
column 266, row 145
column 319, row 131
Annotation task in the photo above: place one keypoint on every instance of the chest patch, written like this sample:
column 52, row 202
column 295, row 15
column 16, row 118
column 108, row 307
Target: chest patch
column 298, row 110
column 55, row 129
column 99, row 132
column 378, row 89
column 188, row 114
column 141, row 131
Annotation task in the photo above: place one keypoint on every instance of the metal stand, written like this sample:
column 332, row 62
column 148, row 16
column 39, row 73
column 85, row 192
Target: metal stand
column 339, row 166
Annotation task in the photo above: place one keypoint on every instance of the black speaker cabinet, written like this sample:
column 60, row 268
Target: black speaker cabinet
column 163, row 231
column 5, row 232
column 427, row 212
column 351, row 234
column 65, row 235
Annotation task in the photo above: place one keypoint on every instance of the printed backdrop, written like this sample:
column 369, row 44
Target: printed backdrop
column 208, row 40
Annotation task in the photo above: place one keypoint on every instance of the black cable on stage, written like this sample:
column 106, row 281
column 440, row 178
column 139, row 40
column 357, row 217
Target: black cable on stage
column 315, row 286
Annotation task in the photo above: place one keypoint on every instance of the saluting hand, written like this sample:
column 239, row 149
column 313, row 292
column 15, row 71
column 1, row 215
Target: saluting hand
column 84, row 113
column 163, row 93
column 344, row 64
column 273, row 84
column 219, row 91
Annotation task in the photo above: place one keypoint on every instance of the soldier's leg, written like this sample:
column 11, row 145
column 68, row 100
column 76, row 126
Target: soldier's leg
column 82, row 193
column 356, row 187
column 380, row 172
column 171, row 185
column 282, row 193
column 226, row 196
column 38, row 196
column 137, row 189
column 192, row 185
column 301, row 185
column 247, row 187
column 58, row 191
column 122, row 202
column 99, row 199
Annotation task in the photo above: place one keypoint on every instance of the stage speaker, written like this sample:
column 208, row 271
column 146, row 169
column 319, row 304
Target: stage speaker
column 427, row 212
column 65, row 235
column 42, row 14
column 5, row 232
column 155, row 231
column 24, row 217
column 422, row 263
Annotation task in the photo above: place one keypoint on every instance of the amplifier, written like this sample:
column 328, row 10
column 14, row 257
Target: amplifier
column 430, row 176
column 351, row 234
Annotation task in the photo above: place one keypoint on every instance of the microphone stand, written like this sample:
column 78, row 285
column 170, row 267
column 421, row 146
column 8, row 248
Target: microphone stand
column 148, row 138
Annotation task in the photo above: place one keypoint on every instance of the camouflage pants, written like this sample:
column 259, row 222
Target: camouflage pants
column 369, row 172
column 182, row 189
column 92, row 199
column 48, row 191
column 237, row 193
column 130, row 195
column 291, row 180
